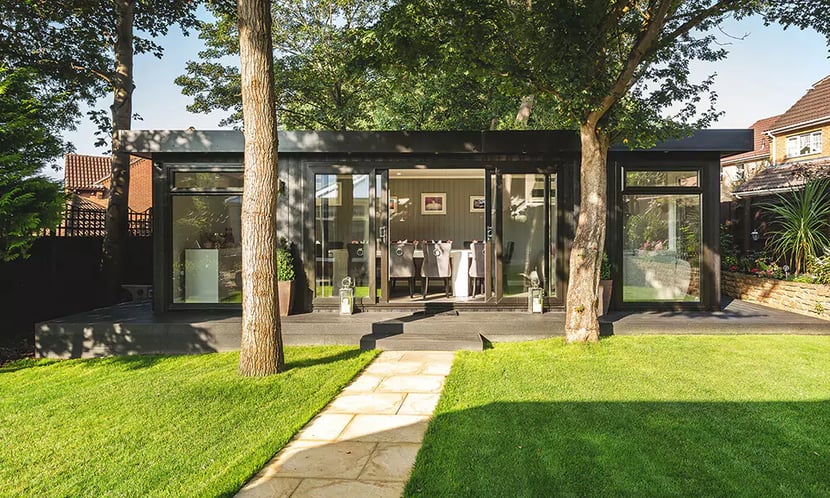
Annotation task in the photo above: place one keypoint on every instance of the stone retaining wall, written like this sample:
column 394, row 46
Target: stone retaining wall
column 806, row 299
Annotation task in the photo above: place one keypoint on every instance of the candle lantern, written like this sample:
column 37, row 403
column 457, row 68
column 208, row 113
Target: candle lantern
column 347, row 296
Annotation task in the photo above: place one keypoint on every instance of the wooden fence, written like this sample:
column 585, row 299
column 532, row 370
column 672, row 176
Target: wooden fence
column 85, row 222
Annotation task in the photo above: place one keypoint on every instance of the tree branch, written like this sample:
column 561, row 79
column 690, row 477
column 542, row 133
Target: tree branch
column 642, row 47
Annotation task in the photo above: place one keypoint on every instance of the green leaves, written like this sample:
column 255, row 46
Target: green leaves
column 801, row 220
column 29, row 125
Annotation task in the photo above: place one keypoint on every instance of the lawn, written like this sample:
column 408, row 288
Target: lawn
column 655, row 416
column 155, row 425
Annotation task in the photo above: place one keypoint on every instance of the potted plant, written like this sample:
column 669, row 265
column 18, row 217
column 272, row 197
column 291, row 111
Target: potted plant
column 285, row 275
column 605, row 285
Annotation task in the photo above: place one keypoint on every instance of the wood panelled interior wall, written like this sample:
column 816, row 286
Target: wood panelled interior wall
column 458, row 225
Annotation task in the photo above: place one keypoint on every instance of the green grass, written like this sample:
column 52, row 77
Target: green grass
column 155, row 425
column 631, row 416
column 635, row 293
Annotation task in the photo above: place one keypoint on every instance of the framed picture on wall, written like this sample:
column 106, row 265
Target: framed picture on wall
column 476, row 203
column 433, row 203
column 393, row 204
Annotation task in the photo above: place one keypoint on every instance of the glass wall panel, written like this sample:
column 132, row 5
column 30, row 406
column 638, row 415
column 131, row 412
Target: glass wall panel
column 661, row 254
column 207, row 258
column 523, row 232
column 661, row 178
column 341, row 233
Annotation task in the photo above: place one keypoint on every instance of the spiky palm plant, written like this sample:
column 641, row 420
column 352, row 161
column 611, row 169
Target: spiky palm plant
column 802, row 219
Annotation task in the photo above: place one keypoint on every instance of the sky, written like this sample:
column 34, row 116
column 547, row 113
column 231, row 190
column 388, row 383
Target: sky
column 766, row 71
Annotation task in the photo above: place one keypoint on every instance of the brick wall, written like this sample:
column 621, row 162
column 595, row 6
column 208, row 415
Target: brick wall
column 781, row 145
column 789, row 296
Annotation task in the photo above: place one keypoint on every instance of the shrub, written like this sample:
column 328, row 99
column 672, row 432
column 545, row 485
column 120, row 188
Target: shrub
column 285, row 261
column 819, row 268
column 801, row 219
column 605, row 268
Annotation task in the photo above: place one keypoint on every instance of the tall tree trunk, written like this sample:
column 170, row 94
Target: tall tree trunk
column 261, row 352
column 581, row 323
column 115, row 238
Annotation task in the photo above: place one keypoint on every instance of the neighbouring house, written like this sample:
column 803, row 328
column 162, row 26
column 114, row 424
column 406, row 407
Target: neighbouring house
column 492, row 210
column 738, row 168
column 799, row 149
column 87, row 185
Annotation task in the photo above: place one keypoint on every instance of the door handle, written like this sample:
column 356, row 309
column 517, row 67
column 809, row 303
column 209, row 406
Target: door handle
column 382, row 233
column 489, row 233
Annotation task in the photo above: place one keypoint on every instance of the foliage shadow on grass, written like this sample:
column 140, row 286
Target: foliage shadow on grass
column 343, row 355
column 626, row 448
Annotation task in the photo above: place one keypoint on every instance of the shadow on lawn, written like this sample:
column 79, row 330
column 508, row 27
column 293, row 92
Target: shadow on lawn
column 310, row 362
column 627, row 448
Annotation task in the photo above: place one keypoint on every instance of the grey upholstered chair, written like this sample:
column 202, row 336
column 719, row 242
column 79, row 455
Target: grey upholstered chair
column 402, row 264
column 477, row 265
column 437, row 264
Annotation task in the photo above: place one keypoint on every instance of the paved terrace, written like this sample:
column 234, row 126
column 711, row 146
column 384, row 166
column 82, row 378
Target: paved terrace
column 134, row 329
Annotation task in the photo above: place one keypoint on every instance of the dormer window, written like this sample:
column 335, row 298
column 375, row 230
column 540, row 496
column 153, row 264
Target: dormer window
column 804, row 144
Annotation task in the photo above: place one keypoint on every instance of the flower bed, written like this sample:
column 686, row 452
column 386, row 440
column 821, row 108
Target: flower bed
column 803, row 298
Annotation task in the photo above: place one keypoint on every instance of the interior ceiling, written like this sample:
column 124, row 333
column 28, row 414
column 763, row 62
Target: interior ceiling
column 423, row 173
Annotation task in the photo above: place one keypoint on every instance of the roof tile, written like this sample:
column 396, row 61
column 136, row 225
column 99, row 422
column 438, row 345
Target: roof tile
column 791, row 175
column 761, row 141
column 85, row 172
column 815, row 104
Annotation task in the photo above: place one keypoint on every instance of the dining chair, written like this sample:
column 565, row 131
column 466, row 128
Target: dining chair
column 402, row 264
column 477, row 271
column 436, row 264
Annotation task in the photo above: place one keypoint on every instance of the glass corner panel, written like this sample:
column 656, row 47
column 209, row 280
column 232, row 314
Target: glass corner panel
column 662, row 248
column 207, row 257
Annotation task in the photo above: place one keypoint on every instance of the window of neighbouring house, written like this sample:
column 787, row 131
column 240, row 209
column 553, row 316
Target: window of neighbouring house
column 804, row 144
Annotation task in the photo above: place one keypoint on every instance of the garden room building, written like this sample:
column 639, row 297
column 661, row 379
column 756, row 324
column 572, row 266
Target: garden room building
column 442, row 220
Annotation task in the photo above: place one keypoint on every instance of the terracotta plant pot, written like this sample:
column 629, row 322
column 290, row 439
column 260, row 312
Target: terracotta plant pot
column 286, row 296
column 605, row 287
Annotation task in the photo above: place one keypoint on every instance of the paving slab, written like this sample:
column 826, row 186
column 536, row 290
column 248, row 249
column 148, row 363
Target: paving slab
column 389, row 428
column 412, row 384
column 328, row 488
column 419, row 404
column 364, row 443
column 391, row 462
column 270, row 487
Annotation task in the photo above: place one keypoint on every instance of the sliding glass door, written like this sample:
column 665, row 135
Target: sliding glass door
column 525, row 215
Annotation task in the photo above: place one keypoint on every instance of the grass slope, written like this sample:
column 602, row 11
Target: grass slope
column 656, row 416
column 155, row 425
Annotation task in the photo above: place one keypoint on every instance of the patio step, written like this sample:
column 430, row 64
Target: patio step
column 414, row 341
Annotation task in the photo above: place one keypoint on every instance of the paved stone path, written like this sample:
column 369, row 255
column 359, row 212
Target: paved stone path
column 364, row 443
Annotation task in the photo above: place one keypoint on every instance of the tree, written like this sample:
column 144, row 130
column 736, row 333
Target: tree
column 86, row 47
column 615, row 71
column 29, row 126
column 321, row 73
column 333, row 72
column 261, row 352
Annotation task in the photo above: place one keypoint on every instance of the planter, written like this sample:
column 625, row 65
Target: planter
column 286, row 295
column 605, row 288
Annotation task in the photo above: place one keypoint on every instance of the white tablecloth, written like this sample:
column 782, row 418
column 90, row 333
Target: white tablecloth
column 460, row 272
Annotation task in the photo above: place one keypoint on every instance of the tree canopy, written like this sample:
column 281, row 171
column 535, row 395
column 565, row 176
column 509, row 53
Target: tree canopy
column 334, row 69
column 30, row 124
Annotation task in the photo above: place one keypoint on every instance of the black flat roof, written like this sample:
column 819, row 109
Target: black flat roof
column 150, row 142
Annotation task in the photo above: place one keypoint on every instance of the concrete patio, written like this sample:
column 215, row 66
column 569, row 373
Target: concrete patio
column 133, row 328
